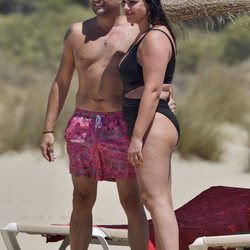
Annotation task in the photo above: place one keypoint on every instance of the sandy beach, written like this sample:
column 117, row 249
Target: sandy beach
column 34, row 191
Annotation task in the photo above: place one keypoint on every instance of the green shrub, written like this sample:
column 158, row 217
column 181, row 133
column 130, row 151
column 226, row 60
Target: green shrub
column 39, row 40
column 200, row 136
column 23, row 6
column 22, row 113
column 194, row 47
column 236, row 40
column 216, row 94
column 230, row 45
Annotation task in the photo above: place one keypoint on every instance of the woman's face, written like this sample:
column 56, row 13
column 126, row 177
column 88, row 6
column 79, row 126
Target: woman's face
column 136, row 11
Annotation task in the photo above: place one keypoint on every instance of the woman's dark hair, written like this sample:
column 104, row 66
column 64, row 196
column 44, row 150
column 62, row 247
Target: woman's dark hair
column 157, row 16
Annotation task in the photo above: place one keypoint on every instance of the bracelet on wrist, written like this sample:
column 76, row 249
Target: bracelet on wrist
column 48, row 132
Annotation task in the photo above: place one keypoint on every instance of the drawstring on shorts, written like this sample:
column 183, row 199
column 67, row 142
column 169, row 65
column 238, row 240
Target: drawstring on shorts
column 98, row 121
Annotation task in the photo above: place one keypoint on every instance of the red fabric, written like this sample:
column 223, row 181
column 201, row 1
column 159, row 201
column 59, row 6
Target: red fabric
column 216, row 211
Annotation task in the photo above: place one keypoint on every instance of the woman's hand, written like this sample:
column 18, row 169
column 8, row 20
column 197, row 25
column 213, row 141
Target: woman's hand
column 135, row 152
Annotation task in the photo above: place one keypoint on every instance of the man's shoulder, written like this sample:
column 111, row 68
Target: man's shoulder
column 78, row 26
column 76, row 29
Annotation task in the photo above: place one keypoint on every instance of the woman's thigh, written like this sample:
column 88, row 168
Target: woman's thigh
column 154, row 176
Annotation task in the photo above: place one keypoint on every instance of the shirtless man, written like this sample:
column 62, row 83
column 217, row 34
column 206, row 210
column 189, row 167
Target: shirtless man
column 96, row 133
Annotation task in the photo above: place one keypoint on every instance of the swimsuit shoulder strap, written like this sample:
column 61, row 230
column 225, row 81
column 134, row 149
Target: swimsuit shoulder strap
column 170, row 39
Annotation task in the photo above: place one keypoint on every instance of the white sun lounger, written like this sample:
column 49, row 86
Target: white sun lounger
column 100, row 235
column 239, row 241
column 112, row 236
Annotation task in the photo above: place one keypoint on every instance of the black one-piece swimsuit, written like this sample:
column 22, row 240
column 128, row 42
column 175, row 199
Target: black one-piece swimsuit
column 132, row 77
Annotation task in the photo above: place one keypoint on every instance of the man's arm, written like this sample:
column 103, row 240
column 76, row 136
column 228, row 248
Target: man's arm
column 57, row 96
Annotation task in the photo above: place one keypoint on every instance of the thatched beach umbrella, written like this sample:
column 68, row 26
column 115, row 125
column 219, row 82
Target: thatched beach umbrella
column 183, row 10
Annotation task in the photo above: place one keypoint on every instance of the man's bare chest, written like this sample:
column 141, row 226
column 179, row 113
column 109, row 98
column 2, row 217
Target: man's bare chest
column 101, row 50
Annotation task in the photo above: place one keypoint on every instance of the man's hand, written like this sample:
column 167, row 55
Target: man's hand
column 47, row 147
column 172, row 104
column 167, row 94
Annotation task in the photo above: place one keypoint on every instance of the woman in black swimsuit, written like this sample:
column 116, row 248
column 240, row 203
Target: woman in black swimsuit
column 152, row 127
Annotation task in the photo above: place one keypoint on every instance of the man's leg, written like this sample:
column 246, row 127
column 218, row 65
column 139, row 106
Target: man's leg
column 84, row 196
column 138, row 231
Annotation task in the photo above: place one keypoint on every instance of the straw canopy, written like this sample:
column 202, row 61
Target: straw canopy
column 183, row 10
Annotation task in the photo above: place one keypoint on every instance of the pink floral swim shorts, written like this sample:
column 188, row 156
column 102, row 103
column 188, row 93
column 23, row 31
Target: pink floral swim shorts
column 97, row 145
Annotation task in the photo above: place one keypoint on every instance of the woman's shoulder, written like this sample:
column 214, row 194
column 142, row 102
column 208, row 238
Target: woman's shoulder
column 157, row 40
column 159, row 31
column 159, row 35
column 156, row 35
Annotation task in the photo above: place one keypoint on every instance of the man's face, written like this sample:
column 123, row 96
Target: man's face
column 101, row 7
